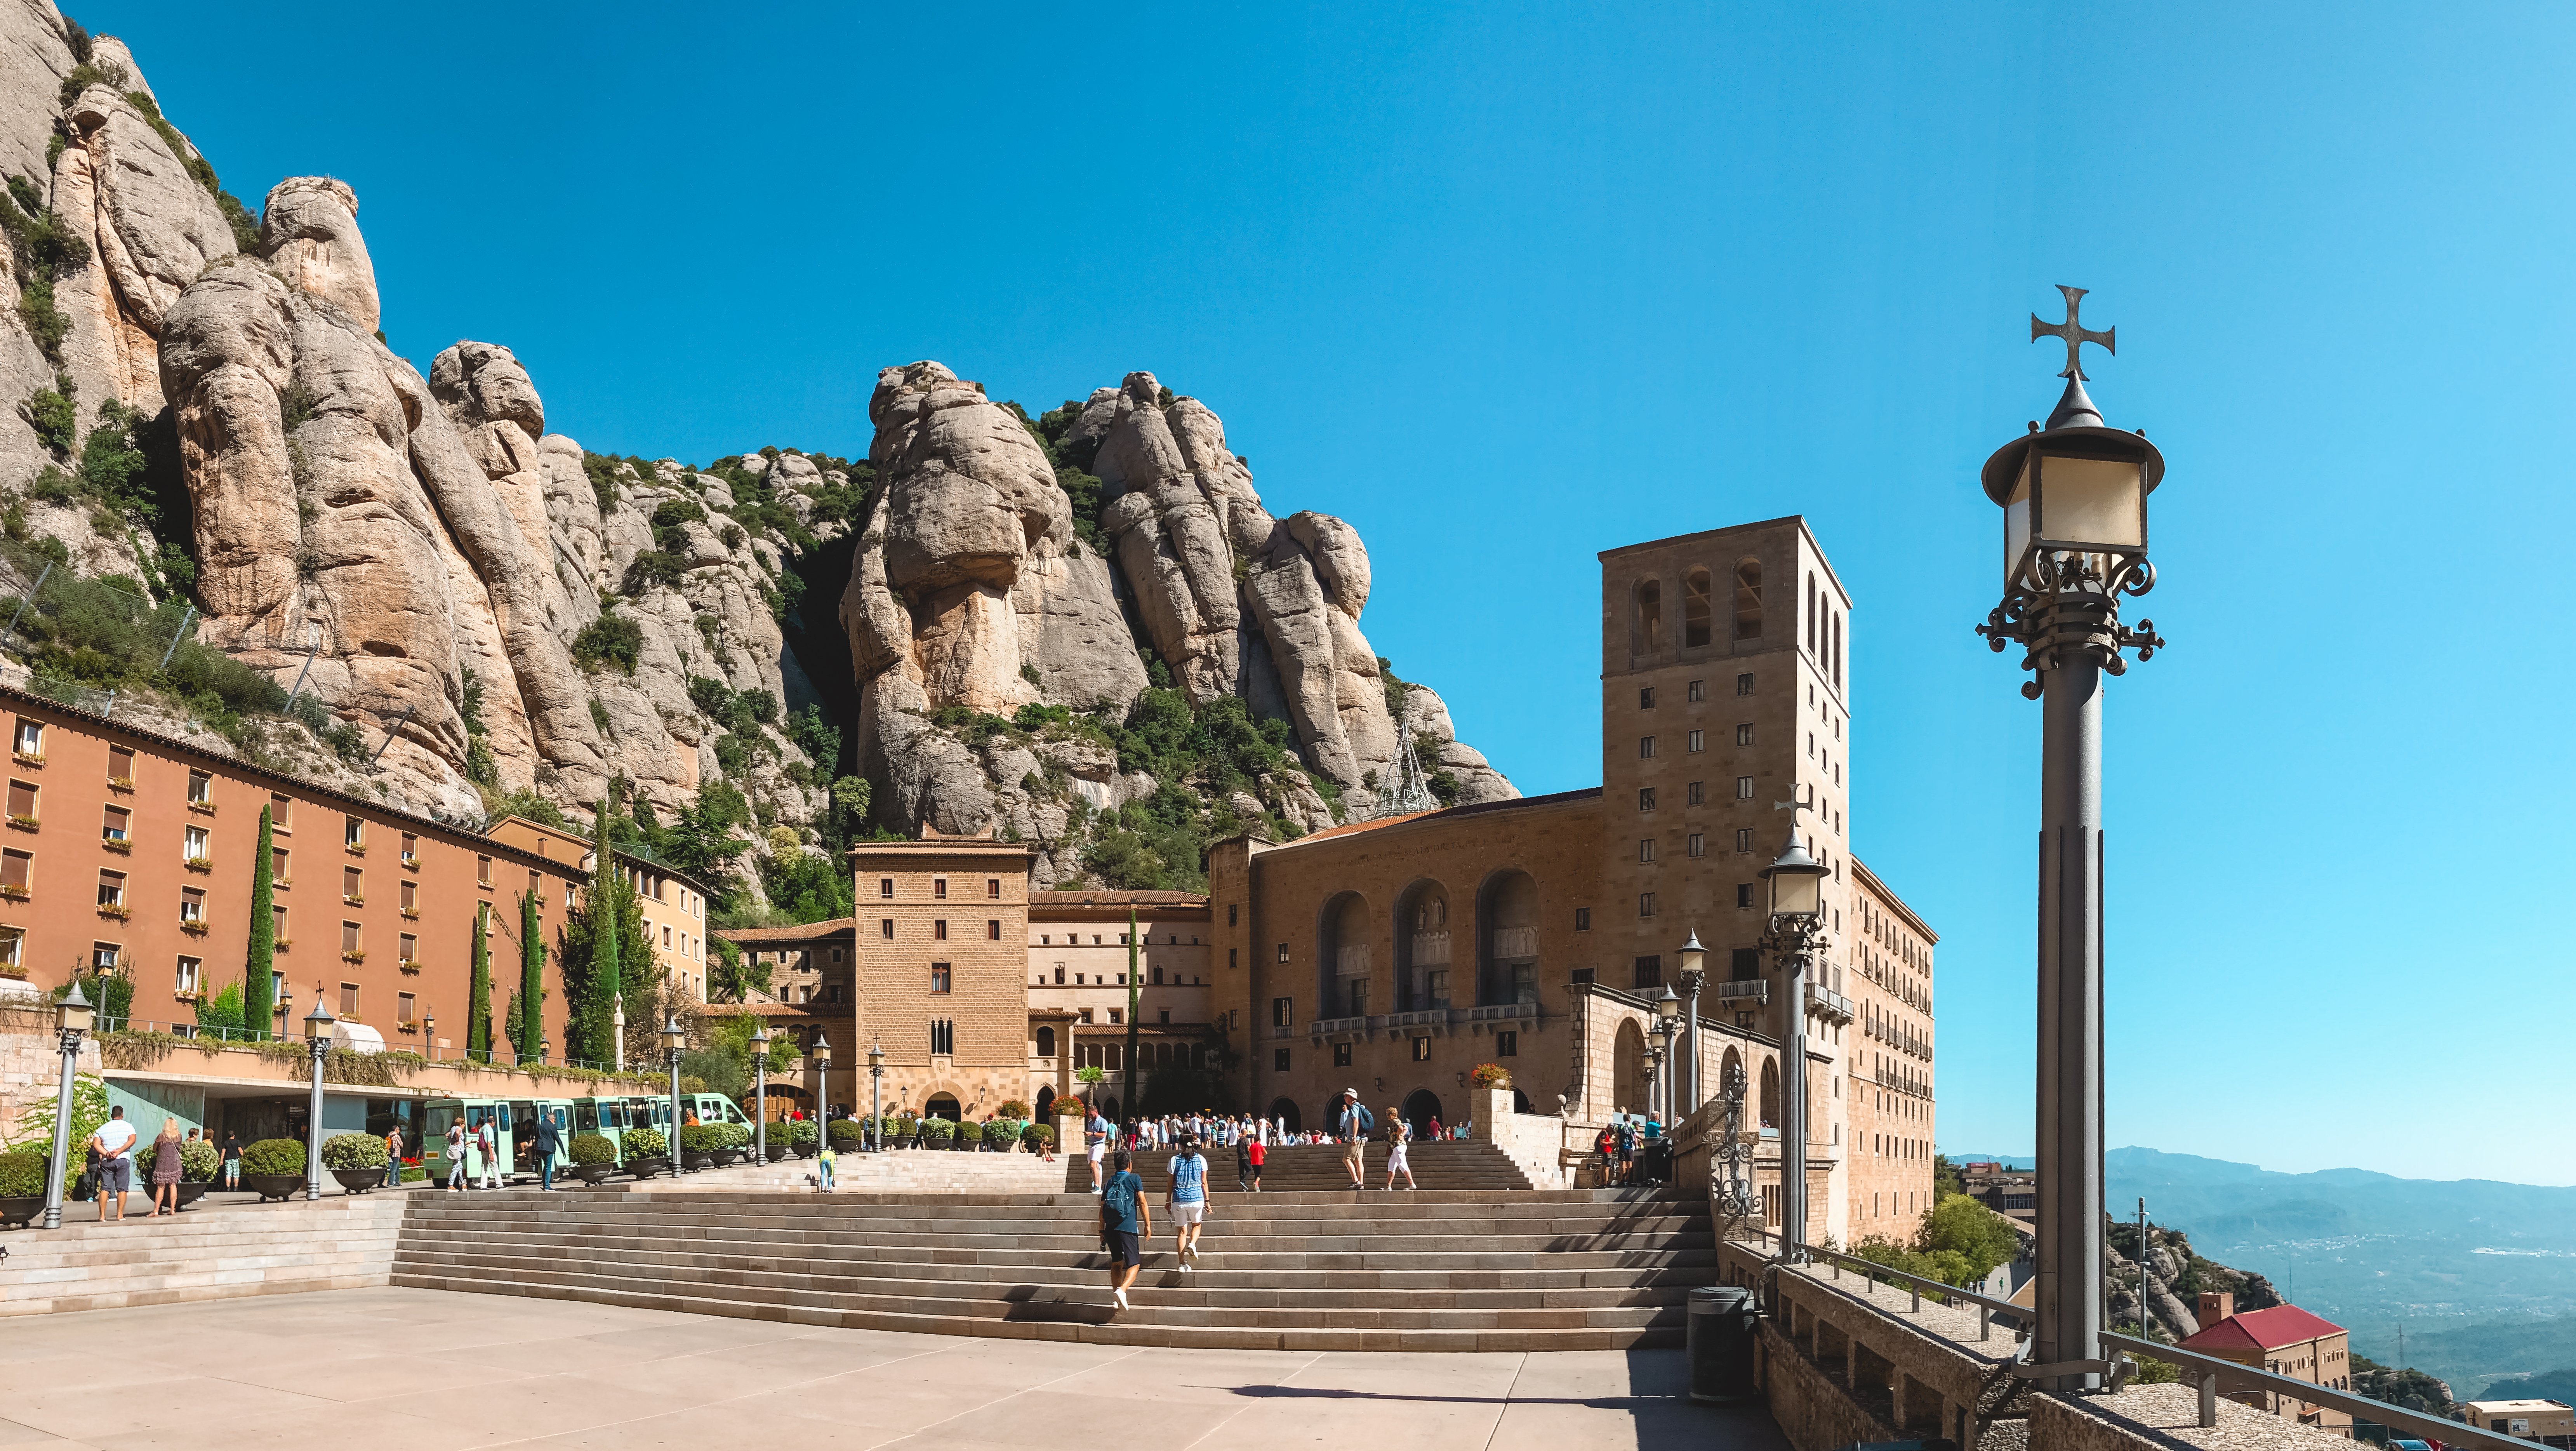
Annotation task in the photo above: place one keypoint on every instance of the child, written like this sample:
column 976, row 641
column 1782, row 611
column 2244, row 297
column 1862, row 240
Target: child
column 824, row 1163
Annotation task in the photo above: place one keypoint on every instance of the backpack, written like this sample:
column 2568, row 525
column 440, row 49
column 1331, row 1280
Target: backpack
column 1117, row 1201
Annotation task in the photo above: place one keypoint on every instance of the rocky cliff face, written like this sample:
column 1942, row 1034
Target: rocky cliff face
column 1047, row 628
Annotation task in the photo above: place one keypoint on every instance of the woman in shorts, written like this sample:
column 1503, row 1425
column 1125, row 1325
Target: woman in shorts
column 1397, row 1133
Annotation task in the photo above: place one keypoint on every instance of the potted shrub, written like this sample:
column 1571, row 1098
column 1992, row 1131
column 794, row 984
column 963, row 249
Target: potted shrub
column 647, row 1152
column 199, row 1162
column 935, row 1133
column 967, row 1137
column 22, row 1186
column 803, row 1137
column 274, row 1168
column 1038, row 1138
column 357, row 1161
column 698, row 1145
column 594, row 1157
column 848, row 1135
column 776, row 1140
column 907, row 1132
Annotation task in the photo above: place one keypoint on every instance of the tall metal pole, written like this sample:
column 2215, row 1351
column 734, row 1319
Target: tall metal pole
column 1793, row 1107
column 2064, row 573
column 671, row 1060
column 1690, row 992
column 319, row 1048
column 71, row 1040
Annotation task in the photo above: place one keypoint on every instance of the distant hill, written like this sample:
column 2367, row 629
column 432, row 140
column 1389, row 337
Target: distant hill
column 2551, row 1385
column 2023, row 1162
column 2480, row 1274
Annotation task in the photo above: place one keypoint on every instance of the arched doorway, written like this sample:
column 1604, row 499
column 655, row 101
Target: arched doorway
column 1046, row 1102
column 941, row 1105
column 1283, row 1111
column 1109, row 1108
column 1420, row 1107
column 1628, row 1069
column 1422, row 953
column 1507, row 939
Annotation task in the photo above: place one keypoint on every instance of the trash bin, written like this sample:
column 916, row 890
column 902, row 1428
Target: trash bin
column 1721, row 1344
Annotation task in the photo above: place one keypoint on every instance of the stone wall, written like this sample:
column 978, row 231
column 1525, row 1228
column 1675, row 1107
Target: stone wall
column 31, row 1060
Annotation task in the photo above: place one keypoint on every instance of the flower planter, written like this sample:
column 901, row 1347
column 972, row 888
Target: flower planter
column 17, row 1210
column 593, row 1173
column 777, row 1152
column 647, row 1168
column 191, row 1190
column 359, row 1181
column 273, row 1186
column 694, row 1162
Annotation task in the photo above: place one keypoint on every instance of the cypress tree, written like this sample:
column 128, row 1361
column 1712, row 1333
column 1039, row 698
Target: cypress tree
column 532, row 982
column 605, row 983
column 478, row 993
column 257, row 994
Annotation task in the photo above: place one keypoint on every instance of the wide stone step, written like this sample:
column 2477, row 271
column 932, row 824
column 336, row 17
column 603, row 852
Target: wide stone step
column 1538, row 1233
column 1103, row 1328
column 1091, row 1302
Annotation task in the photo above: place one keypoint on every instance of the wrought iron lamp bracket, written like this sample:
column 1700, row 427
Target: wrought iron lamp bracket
column 2074, row 606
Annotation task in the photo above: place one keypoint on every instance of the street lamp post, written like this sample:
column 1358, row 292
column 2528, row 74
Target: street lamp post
column 674, row 1038
column 1694, row 960
column 317, row 1043
column 876, row 1097
column 1796, row 938
column 760, row 1094
column 821, row 1053
column 1668, row 1017
column 429, row 1033
column 72, row 1019
column 2074, row 496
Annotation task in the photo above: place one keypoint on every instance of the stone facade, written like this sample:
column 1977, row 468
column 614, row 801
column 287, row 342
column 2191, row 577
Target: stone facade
column 1890, row 954
column 940, row 971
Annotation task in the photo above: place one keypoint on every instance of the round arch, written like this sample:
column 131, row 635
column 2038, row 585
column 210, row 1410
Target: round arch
column 1342, row 957
column 942, row 1105
column 1748, row 599
column 1646, row 635
column 1421, row 1106
column 1507, row 938
column 1046, row 1102
column 1697, row 611
column 1770, row 1093
column 1728, row 1068
column 1284, row 1111
column 1422, row 947
column 1046, row 1041
column 1628, row 1068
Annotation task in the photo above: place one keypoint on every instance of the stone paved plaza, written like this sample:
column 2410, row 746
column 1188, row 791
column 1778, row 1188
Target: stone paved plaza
column 423, row 1370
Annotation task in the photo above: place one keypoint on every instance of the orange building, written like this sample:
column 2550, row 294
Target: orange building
column 2284, row 1340
column 131, row 852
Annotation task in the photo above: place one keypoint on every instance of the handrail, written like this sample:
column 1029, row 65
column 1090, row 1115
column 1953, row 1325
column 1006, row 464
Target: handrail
column 2215, row 1369
column 1989, row 1309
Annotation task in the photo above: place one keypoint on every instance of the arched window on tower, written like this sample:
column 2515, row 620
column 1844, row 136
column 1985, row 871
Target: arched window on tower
column 1695, row 609
column 1046, row 1042
column 1838, row 651
column 1748, row 600
column 1771, row 1093
column 1650, row 617
column 1811, row 612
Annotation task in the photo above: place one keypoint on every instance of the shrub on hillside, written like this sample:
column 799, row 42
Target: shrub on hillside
column 279, row 1156
column 592, row 1150
column 644, row 1144
column 350, row 1151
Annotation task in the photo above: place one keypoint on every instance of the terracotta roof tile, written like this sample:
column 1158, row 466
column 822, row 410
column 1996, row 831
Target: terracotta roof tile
column 2263, row 1330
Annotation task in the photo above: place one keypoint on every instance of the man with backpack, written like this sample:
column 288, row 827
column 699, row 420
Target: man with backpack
column 1353, row 1126
column 1125, row 1224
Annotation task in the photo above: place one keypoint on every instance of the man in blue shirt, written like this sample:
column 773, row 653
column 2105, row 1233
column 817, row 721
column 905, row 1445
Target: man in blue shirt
column 1125, row 1224
column 1187, row 1199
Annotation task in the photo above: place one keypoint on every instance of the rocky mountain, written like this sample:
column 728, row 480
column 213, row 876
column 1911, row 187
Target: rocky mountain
column 1083, row 630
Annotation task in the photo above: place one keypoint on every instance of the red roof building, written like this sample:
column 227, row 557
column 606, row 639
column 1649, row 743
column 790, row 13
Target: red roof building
column 2287, row 1341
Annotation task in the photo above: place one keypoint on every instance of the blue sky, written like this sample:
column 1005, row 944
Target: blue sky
column 1506, row 285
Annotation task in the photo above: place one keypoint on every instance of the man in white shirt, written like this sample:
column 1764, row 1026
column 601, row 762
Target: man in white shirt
column 488, row 1145
column 114, row 1144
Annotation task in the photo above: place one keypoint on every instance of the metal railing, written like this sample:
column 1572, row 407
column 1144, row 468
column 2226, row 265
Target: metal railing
column 1832, row 1004
column 1744, row 990
column 1989, row 1309
column 495, row 1058
column 2209, row 1371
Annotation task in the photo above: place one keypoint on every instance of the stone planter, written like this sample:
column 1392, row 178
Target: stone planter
column 593, row 1173
column 19, row 1210
column 647, row 1168
column 273, row 1186
column 777, row 1151
column 695, row 1162
column 359, row 1181
column 190, row 1191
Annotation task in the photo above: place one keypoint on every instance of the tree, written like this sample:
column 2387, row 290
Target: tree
column 1946, row 1179
column 259, row 965
column 609, row 914
column 1981, row 1238
column 532, row 979
column 478, row 991
column 606, row 988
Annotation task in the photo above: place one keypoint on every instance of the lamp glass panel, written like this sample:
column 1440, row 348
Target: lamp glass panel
column 2095, row 501
column 78, row 1019
column 2017, row 525
column 1796, row 894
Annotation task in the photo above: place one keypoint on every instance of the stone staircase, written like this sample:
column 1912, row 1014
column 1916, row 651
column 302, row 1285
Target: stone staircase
column 896, row 1171
column 1317, row 1168
column 1432, row 1270
column 215, row 1249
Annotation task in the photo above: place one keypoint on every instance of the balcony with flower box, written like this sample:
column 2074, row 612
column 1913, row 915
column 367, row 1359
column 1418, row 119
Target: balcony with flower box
column 23, row 823
column 198, row 863
column 116, row 911
column 120, row 783
column 354, row 954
